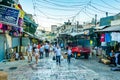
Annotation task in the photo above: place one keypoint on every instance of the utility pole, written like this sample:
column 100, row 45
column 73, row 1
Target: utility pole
column 95, row 20
column 106, row 14
column 77, row 25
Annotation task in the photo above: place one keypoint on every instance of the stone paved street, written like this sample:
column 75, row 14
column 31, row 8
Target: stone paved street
column 47, row 69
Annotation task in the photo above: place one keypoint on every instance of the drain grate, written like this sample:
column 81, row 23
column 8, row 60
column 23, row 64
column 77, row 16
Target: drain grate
column 12, row 68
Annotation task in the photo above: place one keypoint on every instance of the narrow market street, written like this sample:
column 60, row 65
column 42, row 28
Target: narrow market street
column 46, row 69
column 39, row 37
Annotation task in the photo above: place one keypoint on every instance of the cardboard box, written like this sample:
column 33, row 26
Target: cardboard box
column 105, row 61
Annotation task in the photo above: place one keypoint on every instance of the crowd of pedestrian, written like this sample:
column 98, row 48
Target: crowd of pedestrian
column 37, row 51
column 44, row 50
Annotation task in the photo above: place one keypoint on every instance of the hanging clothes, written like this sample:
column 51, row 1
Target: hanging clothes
column 20, row 22
column 4, row 28
column 107, row 37
column 22, row 13
column 103, row 44
column 114, row 36
column 1, row 25
column 118, row 37
column 9, row 27
column 102, row 38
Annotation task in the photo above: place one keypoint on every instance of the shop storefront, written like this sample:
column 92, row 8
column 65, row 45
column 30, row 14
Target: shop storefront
column 2, row 47
column 16, row 43
column 10, row 30
column 109, row 38
column 24, row 43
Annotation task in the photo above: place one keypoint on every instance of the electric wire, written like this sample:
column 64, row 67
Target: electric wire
column 60, row 5
column 84, row 11
column 54, row 8
column 66, row 1
column 48, row 14
column 88, row 8
column 100, row 10
column 96, row 4
column 117, row 1
column 53, row 18
column 109, row 5
column 81, row 10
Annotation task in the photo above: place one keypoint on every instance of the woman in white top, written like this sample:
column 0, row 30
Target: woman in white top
column 58, row 55
column 36, row 54
column 41, row 51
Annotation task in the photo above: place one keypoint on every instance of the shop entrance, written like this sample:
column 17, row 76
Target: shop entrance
column 2, row 52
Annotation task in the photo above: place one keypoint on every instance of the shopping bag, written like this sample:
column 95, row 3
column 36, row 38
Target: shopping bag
column 54, row 58
column 62, row 57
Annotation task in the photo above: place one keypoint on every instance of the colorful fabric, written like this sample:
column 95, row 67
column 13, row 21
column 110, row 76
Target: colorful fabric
column 1, row 25
column 20, row 22
column 103, row 44
column 22, row 13
column 8, row 27
column 107, row 37
column 91, row 42
column 21, row 29
column 20, row 6
column 39, row 46
column 102, row 39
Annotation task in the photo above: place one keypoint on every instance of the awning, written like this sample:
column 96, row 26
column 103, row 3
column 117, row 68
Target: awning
column 73, row 33
column 27, row 19
column 76, row 33
column 31, row 35
column 100, row 27
column 111, row 28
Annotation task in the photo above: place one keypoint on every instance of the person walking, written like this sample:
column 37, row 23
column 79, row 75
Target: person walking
column 51, row 49
column 41, row 51
column 47, row 47
column 34, row 46
column 58, row 55
column 29, row 52
column 69, row 52
column 36, row 53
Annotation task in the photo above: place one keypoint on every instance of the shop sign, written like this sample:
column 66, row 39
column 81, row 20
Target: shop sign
column 9, row 15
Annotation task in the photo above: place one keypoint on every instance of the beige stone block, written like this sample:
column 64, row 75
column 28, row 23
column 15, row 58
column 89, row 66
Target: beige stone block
column 3, row 75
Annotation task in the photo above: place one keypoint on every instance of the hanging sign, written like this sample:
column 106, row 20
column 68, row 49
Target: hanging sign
column 9, row 15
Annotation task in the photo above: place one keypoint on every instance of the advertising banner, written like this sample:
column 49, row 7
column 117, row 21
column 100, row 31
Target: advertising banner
column 9, row 15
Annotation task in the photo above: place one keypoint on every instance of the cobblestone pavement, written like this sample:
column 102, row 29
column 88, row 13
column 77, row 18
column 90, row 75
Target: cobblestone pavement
column 47, row 69
column 103, row 70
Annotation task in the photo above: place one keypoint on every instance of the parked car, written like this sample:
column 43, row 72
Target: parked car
column 78, row 51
